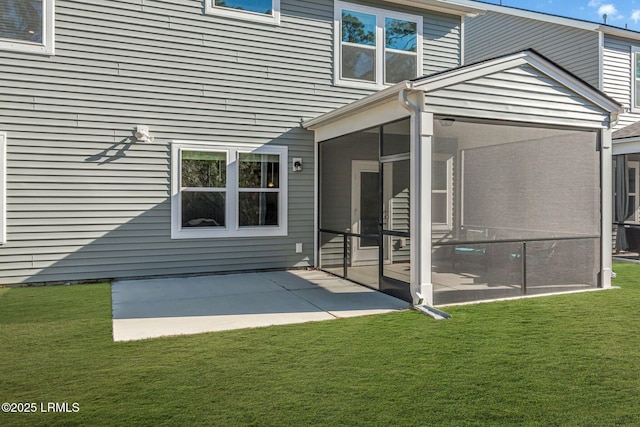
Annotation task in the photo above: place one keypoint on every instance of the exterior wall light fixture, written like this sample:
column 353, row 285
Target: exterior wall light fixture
column 142, row 134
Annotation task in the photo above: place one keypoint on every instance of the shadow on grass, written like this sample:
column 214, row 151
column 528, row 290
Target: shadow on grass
column 560, row 360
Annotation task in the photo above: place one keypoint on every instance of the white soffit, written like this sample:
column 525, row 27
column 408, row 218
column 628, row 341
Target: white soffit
column 456, row 7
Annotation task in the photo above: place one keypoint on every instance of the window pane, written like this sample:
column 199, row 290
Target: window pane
column 637, row 93
column 258, row 6
column 439, row 208
column 204, row 169
column 439, row 175
column 637, row 55
column 399, row 66
column 203, row 209
column 632, row 180
column 259, row 171
column 257, row 208
column 400, row 35
column 358, row 63
column 358, row 28
column 21, row 20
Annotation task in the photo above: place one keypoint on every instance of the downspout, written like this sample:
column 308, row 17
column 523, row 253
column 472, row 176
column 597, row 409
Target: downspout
column 419, row 300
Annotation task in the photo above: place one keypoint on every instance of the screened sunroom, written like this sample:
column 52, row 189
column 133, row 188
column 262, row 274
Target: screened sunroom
column 479, row 183
column 626, row 191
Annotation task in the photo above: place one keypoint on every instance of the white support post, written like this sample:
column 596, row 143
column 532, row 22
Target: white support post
column 420, row 209
column 607, row 202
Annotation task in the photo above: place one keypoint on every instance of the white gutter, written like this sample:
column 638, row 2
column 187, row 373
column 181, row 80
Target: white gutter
column 414, row 213
column 420, row 207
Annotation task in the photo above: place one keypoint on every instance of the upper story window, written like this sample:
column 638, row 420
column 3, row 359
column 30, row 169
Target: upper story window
column 27, row 26
column 221, row 190
column 267, row 11
column 635, row 78
column 375, row 47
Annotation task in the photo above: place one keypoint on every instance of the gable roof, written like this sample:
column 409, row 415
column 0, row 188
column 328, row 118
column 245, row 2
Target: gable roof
column 561, row 20
column 467, row 72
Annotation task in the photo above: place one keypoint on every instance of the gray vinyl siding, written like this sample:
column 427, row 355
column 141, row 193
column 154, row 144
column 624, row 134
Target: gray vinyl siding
column 617, row 76
column 495, row 34
column 84, row 201
column 518, row 94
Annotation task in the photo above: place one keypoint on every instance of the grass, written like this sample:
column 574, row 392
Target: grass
column 554, row 361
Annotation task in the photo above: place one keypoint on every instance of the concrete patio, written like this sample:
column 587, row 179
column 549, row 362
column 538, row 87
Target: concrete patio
column 176, row 306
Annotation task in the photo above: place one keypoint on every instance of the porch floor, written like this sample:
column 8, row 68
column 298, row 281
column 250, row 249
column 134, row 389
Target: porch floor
column 474, row 284
column 188, row 305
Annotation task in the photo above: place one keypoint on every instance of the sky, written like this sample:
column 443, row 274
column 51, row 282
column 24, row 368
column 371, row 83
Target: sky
column 620, row 13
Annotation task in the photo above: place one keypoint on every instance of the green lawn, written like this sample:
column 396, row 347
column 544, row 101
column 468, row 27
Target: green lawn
column 554, row 361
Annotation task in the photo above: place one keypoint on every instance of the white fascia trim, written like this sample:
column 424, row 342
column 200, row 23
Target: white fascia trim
column 211, row 9
column 601, row 61
column 626, row 146
column 632, row 77
column 577, row 86
column 361, row 104
column 620, row 32
column 455, row 7
column 47, row 47
column 232, row 229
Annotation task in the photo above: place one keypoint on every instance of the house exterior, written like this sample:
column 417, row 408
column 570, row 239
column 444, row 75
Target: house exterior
column 606, row 57
column 151, row 138
column 601, row 55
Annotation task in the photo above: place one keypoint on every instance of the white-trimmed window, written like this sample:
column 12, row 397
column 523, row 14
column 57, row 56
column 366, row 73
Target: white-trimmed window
column 375, row 47
column 27, row 26
column 267, row 11
column 3, row 188
column 635, row 78
column 221, row 190
column 442, row 192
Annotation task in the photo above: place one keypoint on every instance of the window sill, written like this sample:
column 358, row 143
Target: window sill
column 244, row 15
column 201, row 233
column 25, row 47
column 361, row 84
